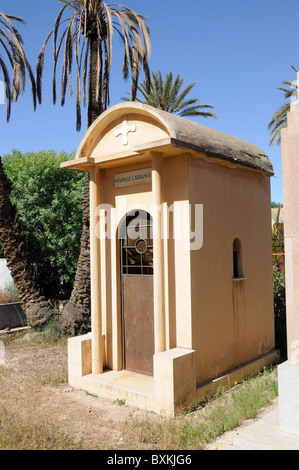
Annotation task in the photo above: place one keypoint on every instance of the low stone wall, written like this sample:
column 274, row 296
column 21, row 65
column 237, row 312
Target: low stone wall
column 12, row 316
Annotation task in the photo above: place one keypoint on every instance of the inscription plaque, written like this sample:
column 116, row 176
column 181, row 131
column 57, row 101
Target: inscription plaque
column 133, row 178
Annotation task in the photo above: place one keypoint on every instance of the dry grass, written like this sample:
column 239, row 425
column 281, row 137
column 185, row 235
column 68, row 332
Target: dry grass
column 9, row 294
column 38, row 410
column 226, row 411
column 29, row 371
column 26, row 431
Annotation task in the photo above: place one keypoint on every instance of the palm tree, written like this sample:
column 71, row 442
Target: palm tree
column 37, row 309
column 87, row 35
column 279, row 119
column 85, row 28
column 167, row 94
column 11, row 45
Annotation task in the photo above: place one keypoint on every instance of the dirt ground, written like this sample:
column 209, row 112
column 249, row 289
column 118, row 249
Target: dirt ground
column 33, row 383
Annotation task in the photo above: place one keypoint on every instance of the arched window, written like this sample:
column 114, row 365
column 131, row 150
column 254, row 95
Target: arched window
column 237, row 259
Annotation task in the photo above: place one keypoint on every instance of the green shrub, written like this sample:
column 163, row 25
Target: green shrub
column 49, row 202
column 280, row 312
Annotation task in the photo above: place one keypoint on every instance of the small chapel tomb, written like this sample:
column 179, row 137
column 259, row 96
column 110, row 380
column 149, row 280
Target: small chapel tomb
column 181, row 260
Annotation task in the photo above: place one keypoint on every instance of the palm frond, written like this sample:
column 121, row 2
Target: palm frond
column 278, row 122
column 7, row 88
column 167, row 94
column 13, row 47
column 90, row 26
column 279, row 118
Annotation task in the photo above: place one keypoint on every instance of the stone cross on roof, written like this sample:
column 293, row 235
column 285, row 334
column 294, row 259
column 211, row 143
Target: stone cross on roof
column 124, row 131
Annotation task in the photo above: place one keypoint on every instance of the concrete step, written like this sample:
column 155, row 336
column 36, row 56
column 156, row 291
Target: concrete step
column 125, row 385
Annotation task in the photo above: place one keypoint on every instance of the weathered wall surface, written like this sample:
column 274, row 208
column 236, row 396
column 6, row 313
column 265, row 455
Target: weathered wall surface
column 232, row 320
column 290, row 172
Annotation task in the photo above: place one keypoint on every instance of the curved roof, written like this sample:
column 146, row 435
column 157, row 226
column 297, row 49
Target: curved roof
column 182, row 132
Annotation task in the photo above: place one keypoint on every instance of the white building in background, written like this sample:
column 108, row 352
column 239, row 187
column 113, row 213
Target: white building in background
column 5, row 276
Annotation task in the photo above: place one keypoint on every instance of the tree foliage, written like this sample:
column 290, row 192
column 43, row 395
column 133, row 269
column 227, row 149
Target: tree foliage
column 275, row 204
column 169, row 95
column 82, row 37
column 49, row 202
column 12, row 56
column 86, row 28
column 280, row 312
column 279, row 118
column 278, row 234
column 279, row 286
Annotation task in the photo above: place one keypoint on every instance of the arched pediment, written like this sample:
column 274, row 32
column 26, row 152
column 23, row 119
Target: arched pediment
column 123, row 128
column 129, row 129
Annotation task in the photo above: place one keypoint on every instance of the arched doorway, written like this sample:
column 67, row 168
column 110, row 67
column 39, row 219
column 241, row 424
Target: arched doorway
column 136, row 248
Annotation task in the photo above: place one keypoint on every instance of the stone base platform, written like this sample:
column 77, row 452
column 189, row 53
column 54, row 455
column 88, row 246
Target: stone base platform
column 171, row 388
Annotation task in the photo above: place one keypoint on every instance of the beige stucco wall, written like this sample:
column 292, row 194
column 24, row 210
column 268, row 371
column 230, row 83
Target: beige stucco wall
column 226, row 322
column 290, row 171
column 177, row 277
column 232, row 321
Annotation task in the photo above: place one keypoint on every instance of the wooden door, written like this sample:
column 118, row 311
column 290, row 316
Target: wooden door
column 137, row 293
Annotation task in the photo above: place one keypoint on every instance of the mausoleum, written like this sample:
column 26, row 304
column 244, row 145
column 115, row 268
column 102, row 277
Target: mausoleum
column 181, row 260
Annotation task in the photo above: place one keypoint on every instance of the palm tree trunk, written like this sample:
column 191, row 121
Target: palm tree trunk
column 94, row 98
column 76, row 314
column 37, row 309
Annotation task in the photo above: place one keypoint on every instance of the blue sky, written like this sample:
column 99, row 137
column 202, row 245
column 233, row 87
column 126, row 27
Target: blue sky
column 238, row 52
